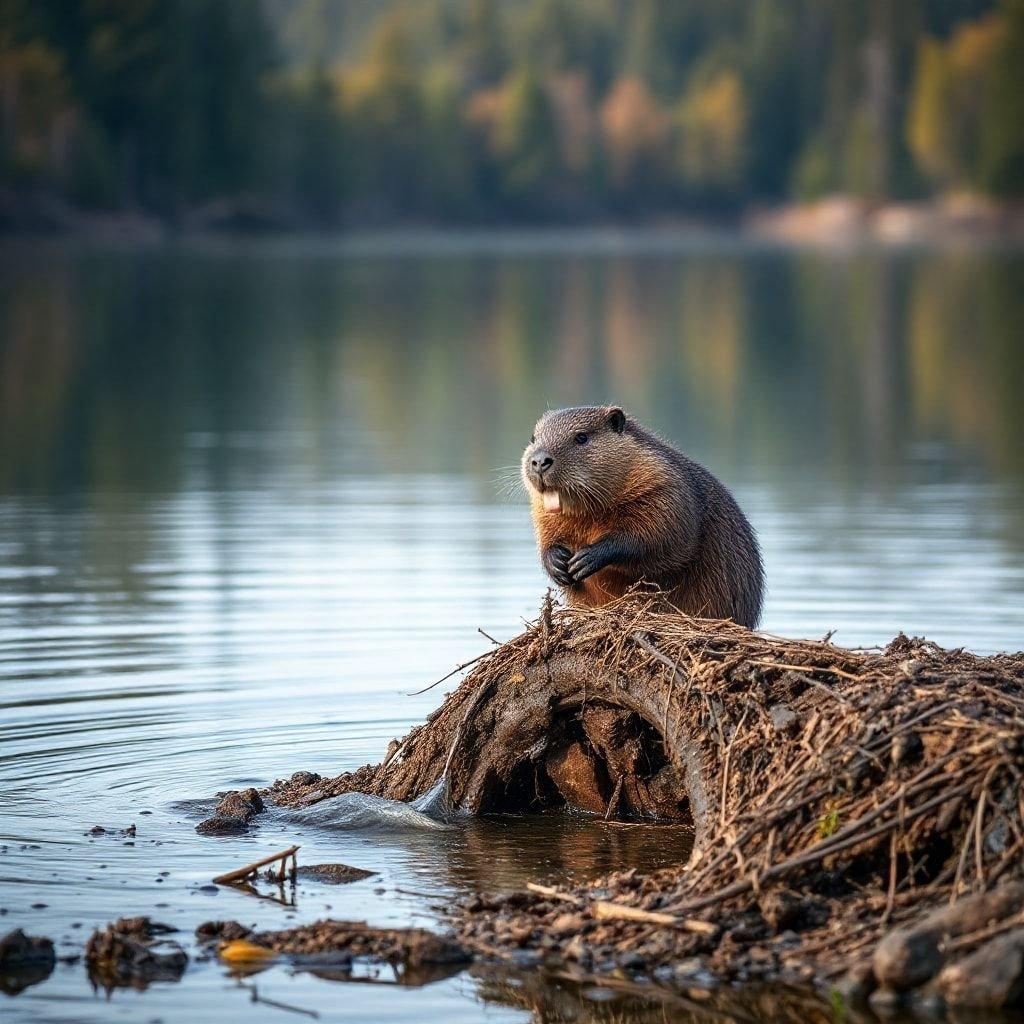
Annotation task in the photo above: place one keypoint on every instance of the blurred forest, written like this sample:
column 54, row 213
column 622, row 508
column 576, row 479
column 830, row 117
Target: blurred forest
column 321, row 113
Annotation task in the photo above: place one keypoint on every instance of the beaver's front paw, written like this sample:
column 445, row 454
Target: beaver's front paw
column 555, row 561
column 593, row 558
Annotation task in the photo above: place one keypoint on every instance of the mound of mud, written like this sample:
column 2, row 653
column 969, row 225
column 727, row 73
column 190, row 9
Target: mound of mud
column 836, row 795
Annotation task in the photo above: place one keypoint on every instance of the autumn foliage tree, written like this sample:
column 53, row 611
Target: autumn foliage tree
column 392, row 111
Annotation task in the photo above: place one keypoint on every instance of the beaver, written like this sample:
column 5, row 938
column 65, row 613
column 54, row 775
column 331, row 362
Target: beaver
column 613, row 505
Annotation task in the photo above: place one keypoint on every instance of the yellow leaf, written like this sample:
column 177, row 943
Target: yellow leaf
column 241, row 952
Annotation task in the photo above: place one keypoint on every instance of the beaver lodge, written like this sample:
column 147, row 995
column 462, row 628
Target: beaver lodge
column 858, row 815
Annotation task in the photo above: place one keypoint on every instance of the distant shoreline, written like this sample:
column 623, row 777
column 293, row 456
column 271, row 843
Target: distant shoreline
column 956, row 217
column 835, row 221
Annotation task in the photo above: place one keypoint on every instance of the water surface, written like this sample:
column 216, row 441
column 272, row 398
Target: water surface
column 252, row 494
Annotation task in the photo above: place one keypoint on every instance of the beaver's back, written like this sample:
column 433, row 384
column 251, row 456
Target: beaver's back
column 726, row 577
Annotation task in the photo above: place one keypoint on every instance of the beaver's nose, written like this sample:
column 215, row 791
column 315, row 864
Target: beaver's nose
column 541, row 461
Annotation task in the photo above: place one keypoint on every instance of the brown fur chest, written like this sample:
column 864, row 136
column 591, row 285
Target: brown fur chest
column 575, row 532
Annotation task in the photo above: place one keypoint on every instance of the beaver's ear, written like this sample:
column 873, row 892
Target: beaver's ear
column 617, row 420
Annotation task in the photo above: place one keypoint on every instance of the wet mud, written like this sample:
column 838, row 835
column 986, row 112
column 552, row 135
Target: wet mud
column 838, row 798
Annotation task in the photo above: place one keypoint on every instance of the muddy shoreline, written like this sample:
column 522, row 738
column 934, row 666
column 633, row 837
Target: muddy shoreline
column 839, row 798
column 858, row 820
column 837, row 220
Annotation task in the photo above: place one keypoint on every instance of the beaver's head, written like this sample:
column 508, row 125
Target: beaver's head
column 579, row 460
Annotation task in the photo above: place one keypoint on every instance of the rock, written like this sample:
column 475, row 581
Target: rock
column 24, row 960
column 566, row 924
column 99, row 830
column 990, row 978
column 632, row 961
column 576, row 949
column 221, row 931
column 574, row 772
column 927, row 1005
column 692, row 970
column 857, row 984
column 333, row 874
column 241, row 803
column 17, row 949
column 908, row 957
column 220, row 825
column 887, row 1003
column 233, row 814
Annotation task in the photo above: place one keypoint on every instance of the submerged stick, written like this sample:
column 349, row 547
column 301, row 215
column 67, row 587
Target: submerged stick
column 241, row 874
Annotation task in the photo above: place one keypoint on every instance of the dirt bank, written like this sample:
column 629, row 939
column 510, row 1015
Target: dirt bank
column 837, row 797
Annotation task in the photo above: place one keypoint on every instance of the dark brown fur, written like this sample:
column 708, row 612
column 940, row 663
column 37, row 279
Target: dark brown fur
column 634, row 509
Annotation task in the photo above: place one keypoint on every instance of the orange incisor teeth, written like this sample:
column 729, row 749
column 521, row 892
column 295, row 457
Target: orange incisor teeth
column 552, row 501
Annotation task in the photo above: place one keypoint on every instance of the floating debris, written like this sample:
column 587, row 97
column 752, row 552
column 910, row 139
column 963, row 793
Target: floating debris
column 334, row 874
column 133, row 952
column 240, row 952
column 251, row 871
column 24, row 960
column 334, row 943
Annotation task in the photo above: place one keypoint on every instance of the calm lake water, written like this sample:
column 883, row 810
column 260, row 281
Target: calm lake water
column 253, row 493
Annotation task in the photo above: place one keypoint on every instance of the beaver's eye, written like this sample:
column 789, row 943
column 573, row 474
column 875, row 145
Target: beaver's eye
column 582, row 438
